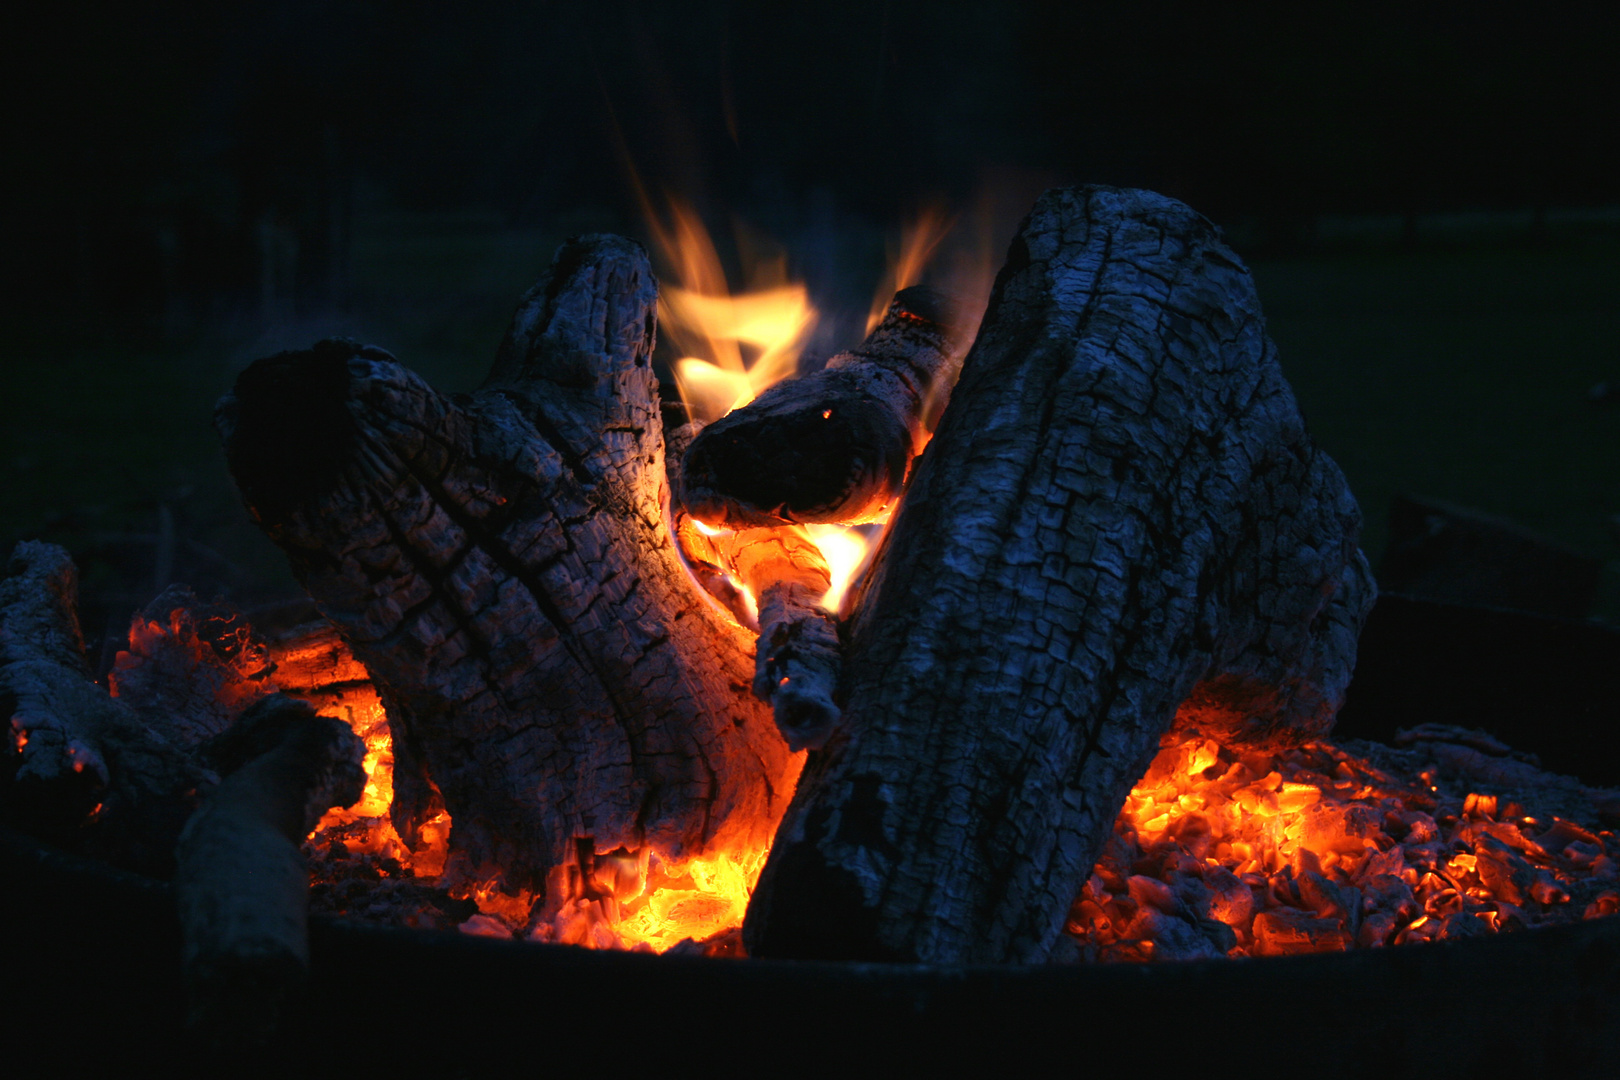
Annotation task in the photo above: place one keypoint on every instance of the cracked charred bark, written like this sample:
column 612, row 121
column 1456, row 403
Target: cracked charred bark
column 502, row 565
column 1120, row 514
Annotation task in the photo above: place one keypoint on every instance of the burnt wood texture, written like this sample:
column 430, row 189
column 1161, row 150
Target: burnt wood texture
column 502, row 564
column 1120, row 515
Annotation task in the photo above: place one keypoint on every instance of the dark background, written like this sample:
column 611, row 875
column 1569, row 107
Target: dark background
column 1425, row 193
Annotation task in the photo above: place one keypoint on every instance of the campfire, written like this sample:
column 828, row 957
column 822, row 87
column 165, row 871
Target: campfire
column 1026, row 656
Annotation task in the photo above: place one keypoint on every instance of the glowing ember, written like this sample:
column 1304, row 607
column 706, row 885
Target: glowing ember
column 321, row 670
column 631, row 902
column 661, row 905
column 1218, row 852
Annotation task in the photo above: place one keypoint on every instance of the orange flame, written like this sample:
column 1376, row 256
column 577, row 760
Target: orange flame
column 773, row 317
column 710, row 326
column 918, row 242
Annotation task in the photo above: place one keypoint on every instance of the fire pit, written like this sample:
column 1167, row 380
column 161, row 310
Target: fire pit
column 532, row 696
column 88, row 941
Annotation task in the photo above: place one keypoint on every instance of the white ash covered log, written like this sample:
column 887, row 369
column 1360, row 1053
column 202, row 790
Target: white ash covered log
column 502, row 564
column 1120, row 515
column 834, row 446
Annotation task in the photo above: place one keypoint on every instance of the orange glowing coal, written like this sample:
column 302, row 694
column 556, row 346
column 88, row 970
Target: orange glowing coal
column 1218, row 852
column 637, row 901
column 320, row 670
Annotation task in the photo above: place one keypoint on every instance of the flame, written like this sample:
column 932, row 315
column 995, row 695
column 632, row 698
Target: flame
column 773, row 318
column 846, row 551
column 710, row 326
column 918, row 242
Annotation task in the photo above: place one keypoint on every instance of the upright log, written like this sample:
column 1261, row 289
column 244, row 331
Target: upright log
column 1119, row 515
column 502, row 565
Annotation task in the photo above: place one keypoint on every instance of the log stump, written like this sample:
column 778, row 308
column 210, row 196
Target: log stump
column 1120, row 516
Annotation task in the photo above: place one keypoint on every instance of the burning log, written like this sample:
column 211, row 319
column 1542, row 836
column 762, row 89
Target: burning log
column 503, row 567
column 242, row 885
column 835, row 446
column 1120, row 516
column 772, row 580
column 796, row 660
column 85, row 758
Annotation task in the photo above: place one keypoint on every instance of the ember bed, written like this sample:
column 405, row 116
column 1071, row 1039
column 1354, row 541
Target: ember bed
column 93, row 975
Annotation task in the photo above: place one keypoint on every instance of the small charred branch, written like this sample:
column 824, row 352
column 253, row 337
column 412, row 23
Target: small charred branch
column 242, row 885
column 796, row 661
column 86, row 769
column 1120, row 526
column 834, row 446
column 502, row 566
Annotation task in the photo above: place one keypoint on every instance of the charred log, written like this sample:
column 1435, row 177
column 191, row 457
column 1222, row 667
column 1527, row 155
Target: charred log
column 1120, row 515
column 242, row 885
column 834, row 446
column 502, row 566
column 88, row 769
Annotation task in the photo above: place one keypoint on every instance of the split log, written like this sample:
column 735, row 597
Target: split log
column 834, row 446
column 83, row 758
column 242, row 885
column 1120, row 514
column 502, row 565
